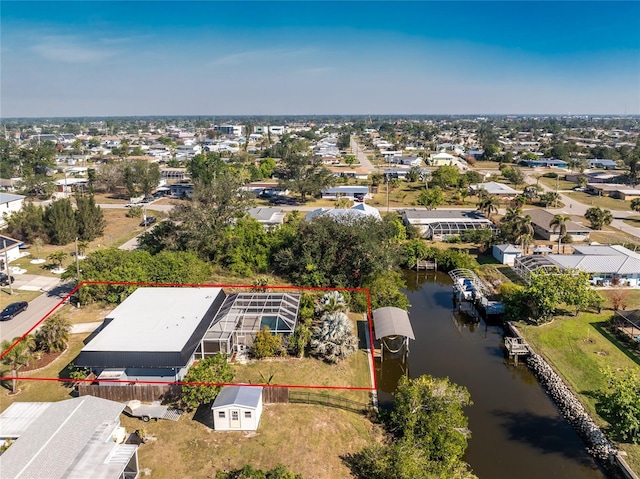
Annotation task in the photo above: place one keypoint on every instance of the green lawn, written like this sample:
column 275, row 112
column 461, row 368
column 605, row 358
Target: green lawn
column 604, row 202
column 578, row 348
column 561, row 184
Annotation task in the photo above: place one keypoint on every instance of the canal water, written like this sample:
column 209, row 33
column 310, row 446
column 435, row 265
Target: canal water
column 517, row 432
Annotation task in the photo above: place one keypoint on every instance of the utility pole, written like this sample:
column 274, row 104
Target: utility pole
column 6, row 265
column 557, row 194
column 77, row 262
column 387, row 176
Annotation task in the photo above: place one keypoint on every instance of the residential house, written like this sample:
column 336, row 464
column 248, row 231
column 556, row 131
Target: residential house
column 606, row 264
column 351, row 192
column 541, row 222
column 76, row 438
column 152, row 335
column 237, row 408
column 544, row 163
column 9, row 204
column 494, row 188
column 445, row 159
column 440, row 224
column 268, row 217
column 9, row 250
column 359, row 210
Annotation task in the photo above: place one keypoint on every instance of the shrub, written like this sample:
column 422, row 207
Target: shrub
column 266, row 344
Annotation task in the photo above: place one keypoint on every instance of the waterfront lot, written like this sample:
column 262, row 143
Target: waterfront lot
column 578, row 348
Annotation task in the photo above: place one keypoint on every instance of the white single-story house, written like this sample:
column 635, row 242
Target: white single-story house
column 494, row 188
column 608, row 265
column 237, row 408
column 359, row 210
column 9, row 250
column 267, row 217
column 152, row 335
column 72, row 439
column 439, row 224
column 506, row 253
column 351, row 192
column 445, row 159
column 9, row 204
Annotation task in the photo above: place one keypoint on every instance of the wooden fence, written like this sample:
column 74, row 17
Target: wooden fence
column 123, row 393
column 275, row 395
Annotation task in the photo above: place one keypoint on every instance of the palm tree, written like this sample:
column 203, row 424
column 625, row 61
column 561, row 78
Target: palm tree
column 524, row 230
column 332, row 302
column 509, row 223
column 343, row 203
column 488, row 205
column 20, row 355
column 559, row 222
column 57, row 257
column 54, row 334
column 333, row 339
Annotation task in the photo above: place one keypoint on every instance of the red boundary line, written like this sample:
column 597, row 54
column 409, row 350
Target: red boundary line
column 183, row 383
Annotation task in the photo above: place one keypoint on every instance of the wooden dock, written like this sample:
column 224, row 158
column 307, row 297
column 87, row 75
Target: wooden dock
column 426, row 266
column 516, row 345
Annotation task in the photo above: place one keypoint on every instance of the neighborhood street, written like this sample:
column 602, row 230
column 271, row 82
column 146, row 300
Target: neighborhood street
column 36, row 311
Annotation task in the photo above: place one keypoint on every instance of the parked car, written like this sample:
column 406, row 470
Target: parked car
column 6, row 280
column 148, row 221
column 13, row 310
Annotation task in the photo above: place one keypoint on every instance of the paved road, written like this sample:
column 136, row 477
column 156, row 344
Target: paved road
column 573, row 207
column 34, row 313
column 361, row 155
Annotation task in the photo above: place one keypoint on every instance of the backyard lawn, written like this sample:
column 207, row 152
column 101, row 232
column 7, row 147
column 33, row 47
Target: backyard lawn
column 578, row 348
column 307, row 439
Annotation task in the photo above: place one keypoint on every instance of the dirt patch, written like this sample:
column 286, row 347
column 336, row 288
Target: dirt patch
column 44, row 360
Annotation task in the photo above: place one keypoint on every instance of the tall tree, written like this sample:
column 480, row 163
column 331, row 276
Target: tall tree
column 60, row 222
column 431, row 198
column 89, row 218
column 304, row 175
column 487, row 204
column 28, row 223
column 204, row 167
column 559, row 223
column 204, row 220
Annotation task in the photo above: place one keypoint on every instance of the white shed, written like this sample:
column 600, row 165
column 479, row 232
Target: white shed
column 237, row 408
column 506, row 253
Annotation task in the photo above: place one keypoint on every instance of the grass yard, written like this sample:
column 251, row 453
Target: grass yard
column 610, row 235
column 43, row 390
column 310, row 372
column 604, row 202
column 307, row 439
column 563, row 185
column 18, row 295
column 578, row 348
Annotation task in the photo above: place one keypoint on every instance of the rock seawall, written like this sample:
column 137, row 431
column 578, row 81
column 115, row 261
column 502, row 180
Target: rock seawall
column 597, row 443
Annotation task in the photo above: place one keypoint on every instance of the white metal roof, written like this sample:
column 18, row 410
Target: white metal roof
column 247, row 396
column 18, row 417
column 392, row 321
column 154, row 319
column 69, row 439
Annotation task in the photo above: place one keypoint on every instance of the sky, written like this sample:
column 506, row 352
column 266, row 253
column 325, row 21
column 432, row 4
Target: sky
column 108, row 58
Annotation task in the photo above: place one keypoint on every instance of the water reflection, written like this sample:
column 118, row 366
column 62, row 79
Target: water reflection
column 516, row 429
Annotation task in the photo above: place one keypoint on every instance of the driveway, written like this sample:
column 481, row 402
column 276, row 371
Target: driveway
column 37, row 309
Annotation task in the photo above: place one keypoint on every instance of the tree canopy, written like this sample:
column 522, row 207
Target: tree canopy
column 205, row 374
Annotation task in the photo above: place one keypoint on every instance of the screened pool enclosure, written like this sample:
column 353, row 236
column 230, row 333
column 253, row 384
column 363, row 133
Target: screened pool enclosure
column 242, row 315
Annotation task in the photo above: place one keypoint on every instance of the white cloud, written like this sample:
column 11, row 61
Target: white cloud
column 253, row 56
column 68, row 49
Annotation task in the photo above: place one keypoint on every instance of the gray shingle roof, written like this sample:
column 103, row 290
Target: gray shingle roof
column 543, row 219
column 443, row 214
